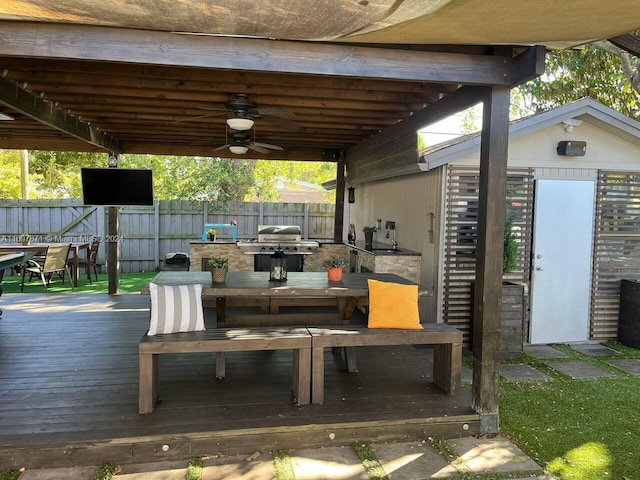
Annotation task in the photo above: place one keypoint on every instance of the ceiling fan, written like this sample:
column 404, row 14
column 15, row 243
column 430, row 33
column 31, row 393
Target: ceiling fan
column 243, row 112
column 240, row 142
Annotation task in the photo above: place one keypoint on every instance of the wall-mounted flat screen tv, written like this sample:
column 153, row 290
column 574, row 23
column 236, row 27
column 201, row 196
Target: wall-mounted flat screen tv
column 117, row 186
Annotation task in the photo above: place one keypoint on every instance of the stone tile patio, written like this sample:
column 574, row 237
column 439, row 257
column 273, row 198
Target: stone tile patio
column 579, row 370
column 629, row 366
column 543, row 351
column 520, row 371
column 594, row 350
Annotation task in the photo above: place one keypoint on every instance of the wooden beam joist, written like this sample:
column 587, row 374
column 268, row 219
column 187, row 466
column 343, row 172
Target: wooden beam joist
column 92, row 43
column 24, row 102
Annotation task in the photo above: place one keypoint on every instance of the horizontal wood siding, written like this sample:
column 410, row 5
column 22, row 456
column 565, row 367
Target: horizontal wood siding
column 147, row 234
column 461, row 221
column 616, row 250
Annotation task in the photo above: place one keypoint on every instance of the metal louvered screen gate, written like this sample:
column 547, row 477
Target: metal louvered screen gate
column 461, row 236
column 617, row 248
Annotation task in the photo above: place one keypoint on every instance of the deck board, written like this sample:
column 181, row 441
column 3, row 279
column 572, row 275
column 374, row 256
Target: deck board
column 69, row 376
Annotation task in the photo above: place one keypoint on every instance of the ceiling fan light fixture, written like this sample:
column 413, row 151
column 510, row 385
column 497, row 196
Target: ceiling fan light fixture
column 238, row 149
column 240, row 124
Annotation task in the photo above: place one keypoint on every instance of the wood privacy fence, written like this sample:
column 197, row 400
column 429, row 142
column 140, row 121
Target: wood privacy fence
column 147, row 234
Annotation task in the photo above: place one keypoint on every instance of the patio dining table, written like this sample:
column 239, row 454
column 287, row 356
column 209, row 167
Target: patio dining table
column 35, row 248
column 352, row 290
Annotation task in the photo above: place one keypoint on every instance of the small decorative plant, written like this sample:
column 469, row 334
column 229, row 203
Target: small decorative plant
column 510, row 257
column 211, row 233
column 218, row 262
column 335, row 262
column 334, row 266
column 368, row 229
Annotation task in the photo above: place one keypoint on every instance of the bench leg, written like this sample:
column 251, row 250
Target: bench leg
column 447, row 367
column 302, row 376
column 148, row 382
column 317, row 375
column 220, row 365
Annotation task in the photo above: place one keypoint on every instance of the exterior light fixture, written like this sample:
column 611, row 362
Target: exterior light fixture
column 352, row 194
column 240, row 124
column 238, row 149
column 278, row 270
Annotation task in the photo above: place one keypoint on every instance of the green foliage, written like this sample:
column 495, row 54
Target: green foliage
column 129, row 282
column 574, row 74
column 11, row 474
column 266, row 171
column 369, row 461
column 335, row 262
column 510, row 254
column 218, row 262
column 368, row 229
column 282, row 465
column 10, row 174
column 194, row 469
column 579, row 429
column 106, row 470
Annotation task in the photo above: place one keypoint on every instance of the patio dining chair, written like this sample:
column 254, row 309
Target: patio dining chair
column 55, row 262
column 89, row 262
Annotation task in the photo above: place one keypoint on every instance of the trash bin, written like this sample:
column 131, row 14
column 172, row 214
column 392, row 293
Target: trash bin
column 629, row 317
column 176, row 262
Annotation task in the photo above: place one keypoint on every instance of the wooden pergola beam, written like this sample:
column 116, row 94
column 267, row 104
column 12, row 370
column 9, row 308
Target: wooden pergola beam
column 92, row 43
column 11, row 95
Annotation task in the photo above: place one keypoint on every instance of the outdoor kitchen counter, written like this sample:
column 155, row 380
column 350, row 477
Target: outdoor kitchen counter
column 382, row 258
column 379, row 248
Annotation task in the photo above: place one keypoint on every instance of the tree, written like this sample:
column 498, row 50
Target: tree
column 600, row 71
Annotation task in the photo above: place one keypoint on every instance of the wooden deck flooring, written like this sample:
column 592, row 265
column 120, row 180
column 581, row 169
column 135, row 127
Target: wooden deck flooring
column 69, row 392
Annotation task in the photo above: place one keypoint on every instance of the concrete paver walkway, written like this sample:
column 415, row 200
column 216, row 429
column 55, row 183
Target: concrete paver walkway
column 416, row 460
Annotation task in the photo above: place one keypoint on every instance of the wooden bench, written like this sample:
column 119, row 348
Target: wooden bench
column 447, row 357
column 225, row 340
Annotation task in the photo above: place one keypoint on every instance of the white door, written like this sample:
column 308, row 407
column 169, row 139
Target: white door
column 561, row 265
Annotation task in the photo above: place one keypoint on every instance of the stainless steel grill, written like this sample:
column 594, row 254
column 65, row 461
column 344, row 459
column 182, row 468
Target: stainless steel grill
column 273, row 238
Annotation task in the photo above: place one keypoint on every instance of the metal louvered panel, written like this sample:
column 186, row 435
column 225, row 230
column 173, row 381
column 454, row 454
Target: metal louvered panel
column 460, row 237
column 617, row 248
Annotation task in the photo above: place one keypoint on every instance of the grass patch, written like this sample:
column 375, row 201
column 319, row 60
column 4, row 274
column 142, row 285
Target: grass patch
column 578, row 429
column 11, row 474
column 282, row 465
column 129, row 283
column 369, row 461
column 194, row 469
column 106, row 470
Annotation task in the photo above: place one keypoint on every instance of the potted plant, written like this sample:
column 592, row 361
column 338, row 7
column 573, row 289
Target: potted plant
column 218, row 267
column 26, row 239
column 334, row 266
column 211, row 234
column 368, row 235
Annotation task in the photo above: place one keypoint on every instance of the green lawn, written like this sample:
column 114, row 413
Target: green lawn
column 129, row 282
column 577, row 429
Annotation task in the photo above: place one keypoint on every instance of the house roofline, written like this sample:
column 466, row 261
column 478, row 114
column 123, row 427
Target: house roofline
column 585, row 109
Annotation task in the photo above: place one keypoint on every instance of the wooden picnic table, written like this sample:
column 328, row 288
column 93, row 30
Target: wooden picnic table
column 304, row 286
column 299, row 285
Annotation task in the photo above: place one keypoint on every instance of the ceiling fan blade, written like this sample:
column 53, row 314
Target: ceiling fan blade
column 281, row 122
column 258, row 149
column 277, row 112
column 198, row 117
column 220, row 148
column 214, row 109
column 268, row 145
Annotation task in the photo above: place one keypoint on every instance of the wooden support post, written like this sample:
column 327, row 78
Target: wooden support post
column 113, row 240
column 488, row 285
column 340, row 184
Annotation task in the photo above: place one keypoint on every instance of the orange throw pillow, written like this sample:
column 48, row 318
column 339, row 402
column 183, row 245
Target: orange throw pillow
column 393, row 305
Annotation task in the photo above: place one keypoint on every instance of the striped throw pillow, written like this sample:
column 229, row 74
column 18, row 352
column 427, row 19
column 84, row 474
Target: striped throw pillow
column 175, row 308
